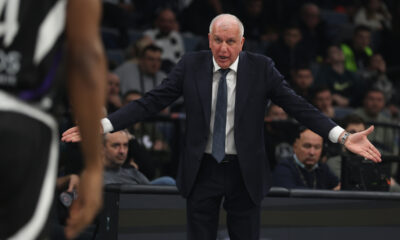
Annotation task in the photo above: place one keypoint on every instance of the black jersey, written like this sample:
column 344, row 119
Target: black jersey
column 30, row 45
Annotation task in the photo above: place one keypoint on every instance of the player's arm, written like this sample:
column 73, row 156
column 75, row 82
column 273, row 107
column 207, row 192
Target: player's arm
column 86, row 82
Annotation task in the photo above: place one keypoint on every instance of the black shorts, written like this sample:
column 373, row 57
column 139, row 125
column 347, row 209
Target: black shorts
column 28, row 168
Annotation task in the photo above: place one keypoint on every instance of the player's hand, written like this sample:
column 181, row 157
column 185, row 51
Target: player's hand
column 73, row 183
column 71, row 135
column 358, row 143
column 84, row 209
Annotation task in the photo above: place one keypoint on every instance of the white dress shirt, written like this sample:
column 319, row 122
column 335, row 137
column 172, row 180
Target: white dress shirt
column 230, row 147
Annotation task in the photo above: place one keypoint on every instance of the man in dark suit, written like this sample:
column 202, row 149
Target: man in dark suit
column 225, row 93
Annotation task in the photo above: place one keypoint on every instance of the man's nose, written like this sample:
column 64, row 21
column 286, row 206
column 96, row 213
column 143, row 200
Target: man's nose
column 312, row 151
column 224, row 46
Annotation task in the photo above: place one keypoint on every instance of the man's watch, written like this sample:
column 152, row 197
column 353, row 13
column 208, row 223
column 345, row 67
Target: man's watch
column 344, row 138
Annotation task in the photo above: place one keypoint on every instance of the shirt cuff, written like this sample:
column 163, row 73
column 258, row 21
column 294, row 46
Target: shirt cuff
column 334, row 134
column 107, row 125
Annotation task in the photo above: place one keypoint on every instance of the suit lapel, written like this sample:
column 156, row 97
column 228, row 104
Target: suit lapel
column 243, row 85
column 204, row 85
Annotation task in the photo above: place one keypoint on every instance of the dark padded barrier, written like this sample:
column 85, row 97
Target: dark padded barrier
column 145, row 212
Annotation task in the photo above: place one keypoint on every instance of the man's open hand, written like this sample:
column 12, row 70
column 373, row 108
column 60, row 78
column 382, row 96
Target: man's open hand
column 358, row 143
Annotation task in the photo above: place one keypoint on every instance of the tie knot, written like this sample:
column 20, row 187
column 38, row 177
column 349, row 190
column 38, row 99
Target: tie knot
column 224, row 72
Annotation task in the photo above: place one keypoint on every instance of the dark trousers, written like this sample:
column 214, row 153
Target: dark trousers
column 216, row 182
column 28, row 164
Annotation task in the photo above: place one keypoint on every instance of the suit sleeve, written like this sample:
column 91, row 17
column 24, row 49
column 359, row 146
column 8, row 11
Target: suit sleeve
column 296, row 106
column 152, row 102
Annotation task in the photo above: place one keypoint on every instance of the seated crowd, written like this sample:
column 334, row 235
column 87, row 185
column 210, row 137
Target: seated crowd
column 337, row 55
column 340, row 56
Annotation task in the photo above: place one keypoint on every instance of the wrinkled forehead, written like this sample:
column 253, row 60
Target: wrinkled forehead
column 225, row 26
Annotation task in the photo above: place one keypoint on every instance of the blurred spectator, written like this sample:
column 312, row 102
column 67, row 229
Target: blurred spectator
column 256, row 23
column 314, row 30
column 374, row 14
column 114, row 101
column 275, row 113
column 358, row 51
column 288, row 52
column 198, row 15
column 115, row 154
column 302, row 81
column 146, row 134
column 144, row 75
column 166, row 36
column 303, row 169
column 352, row 124
column 375, row 76
column 119, row 14
column 322, row 99
column 373, row 111
column 342, row 83
column 135, row 49
column 151, row 139
column 277, row 139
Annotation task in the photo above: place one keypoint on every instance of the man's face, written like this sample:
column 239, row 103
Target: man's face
column 113, row 84
column 323, row 100
column 335, row 55
column 311, row 16
column 276, row 113
column 291, row 37
column 308, row 148
column 362, row 39
column 377, row 62
column 374, row 103
column 166, row 21
column 150, row 63
column 355, row 127
column 303, row 78
column 116, row 149
column 132, row 97
column 225, row 41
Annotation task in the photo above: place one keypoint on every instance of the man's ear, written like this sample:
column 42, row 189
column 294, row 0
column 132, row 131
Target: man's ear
column 209, row 40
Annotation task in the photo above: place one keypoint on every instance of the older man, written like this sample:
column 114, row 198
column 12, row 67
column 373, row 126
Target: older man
column 225, row 92
column 303, row 169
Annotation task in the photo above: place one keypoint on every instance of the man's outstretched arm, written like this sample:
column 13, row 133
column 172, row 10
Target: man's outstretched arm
column 86, row 81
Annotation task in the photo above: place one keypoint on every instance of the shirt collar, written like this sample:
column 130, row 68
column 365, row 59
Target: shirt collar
column 232, row 67
column 297, row 161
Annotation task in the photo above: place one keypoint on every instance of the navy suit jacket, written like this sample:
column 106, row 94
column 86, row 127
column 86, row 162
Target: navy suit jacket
column 257, row 82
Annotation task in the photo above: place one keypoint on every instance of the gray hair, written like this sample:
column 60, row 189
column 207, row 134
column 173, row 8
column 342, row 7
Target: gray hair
column 241, row 27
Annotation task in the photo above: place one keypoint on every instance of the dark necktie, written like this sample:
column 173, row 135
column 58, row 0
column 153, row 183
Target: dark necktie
column 218, row 145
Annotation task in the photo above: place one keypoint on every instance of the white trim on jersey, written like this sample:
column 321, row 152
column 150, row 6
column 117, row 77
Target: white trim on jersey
column 35, row 224
column 50, row 29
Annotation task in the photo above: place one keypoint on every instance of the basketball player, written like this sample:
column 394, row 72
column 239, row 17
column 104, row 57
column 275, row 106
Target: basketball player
column 31, row 46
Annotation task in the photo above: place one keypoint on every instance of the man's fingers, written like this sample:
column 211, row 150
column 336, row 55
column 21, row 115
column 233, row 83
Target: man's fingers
column 71, row 130
column 369, row 130
column 72, row 137
column 377, row 153
column 372, row 155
